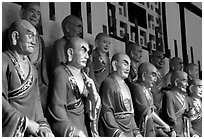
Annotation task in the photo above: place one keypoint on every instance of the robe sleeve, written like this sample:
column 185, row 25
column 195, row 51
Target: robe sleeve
column 136, row 130
column 13, row 122
column 107, row 93
column 140, row 103
column 39, row 117
column 60, row 123
column 168, row 112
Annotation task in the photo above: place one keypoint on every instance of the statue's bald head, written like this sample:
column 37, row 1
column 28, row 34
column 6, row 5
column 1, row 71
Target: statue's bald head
column 195, row 88
column 134, row 51
column 25, row 5
column 178, row 75
column 77, row 51
column 121, row 65
column 157, row 59
column 146, row 67
column 156, row 54
column 22, row 27
column 75, row 42
column 196, row 81
column 119, row 56
column 70, row 21
column 101, row 35
column 189, row 67
column 132, row 46
column 174, row 60
column 176, row 63
column 147, row 74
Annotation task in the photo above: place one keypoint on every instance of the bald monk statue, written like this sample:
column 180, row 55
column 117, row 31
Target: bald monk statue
column 149, row 122
column 157, row 59
column 134, row 51
column 22, row 113
column 175, row 64
column 175, row 106
column 74, row 101
column 195, row 111
column 117, row 114
column 192, row 70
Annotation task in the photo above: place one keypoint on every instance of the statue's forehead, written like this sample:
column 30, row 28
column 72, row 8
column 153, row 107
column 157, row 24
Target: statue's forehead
column 198, row 82
column 25, row 26
column 79, row 43
column 182, row 75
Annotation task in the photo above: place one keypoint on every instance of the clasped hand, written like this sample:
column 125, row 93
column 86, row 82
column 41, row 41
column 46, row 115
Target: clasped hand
column 34, row 129
column 91, row 88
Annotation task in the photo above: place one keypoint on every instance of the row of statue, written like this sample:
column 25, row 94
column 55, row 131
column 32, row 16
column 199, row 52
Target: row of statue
column 86, row 93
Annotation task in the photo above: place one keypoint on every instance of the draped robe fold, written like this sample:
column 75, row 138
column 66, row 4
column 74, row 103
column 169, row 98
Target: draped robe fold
column 20, row 97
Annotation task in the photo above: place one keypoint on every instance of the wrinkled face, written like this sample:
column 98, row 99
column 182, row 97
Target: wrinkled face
column 182, row 82
column 137, row 54
column 197, row 89
column 178, row 65
column 104, row 44
column 158, row 60
column 75, row 28
column 26, row 40
column 194, row 72
column 150, row 77
column 80, row 55
column 32, row 14
column 123, row 66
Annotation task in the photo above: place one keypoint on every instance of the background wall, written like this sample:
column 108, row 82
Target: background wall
column 99, row 14
column 173, row 30
column 173, row 27
column 194, row 35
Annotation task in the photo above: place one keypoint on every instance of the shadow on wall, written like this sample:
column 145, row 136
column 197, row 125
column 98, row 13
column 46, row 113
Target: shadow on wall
column 53, row 34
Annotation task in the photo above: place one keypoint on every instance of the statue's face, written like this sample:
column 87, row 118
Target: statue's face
column 80, row 54
column 26, row 38
column 123, row 66
column 150, row 77
column 32, row 13
column 158, row 60
column 136, row 53
column 75, row 28
column 104, row 44
column 177, row 65
column 182, row 81
column 194, row 72
column 196, row 89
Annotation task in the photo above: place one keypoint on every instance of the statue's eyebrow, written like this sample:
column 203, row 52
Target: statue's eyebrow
column 126, row 61
column 83, row 47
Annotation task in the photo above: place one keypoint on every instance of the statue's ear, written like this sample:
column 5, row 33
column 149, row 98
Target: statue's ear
column 67, row 28
column 14, row 37
column 114, row 65
column 143, row 76
column 190, row 88
column 172, row 67
column 189, row 72
column 131, row 53
column 70, row 54
column 176, row 81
